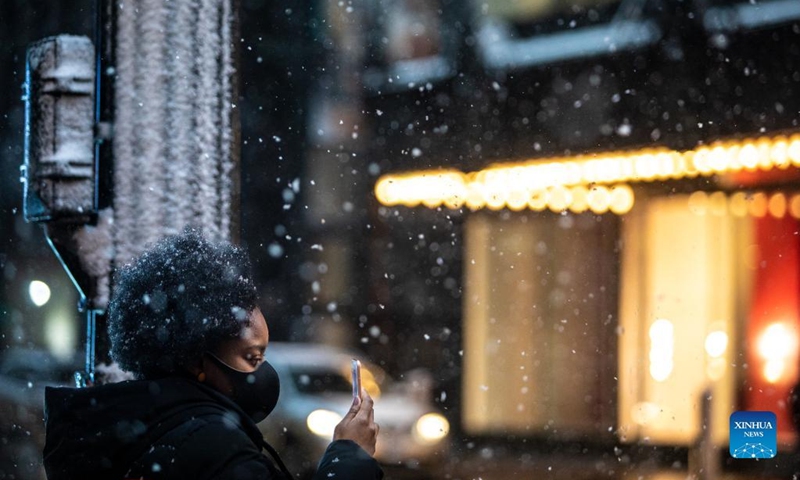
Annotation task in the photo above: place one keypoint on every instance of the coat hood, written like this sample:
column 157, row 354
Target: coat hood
column 98, row 432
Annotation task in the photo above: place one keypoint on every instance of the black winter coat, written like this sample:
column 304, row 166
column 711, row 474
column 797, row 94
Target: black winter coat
column 171, row 428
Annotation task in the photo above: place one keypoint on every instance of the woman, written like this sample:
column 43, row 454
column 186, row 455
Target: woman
column 183, row 320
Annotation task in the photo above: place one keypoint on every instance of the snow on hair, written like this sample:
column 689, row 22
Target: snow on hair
column 180, row 298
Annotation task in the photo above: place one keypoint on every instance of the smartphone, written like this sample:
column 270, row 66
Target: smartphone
column 356, row 372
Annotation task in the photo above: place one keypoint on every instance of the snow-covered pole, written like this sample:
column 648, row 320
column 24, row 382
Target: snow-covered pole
column 175, row 155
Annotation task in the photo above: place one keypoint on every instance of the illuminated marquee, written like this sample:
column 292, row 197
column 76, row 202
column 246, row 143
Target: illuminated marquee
column 590, row 182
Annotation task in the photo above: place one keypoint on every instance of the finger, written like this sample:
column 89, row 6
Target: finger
column 365, row 411
column 365, row 396
column 354, row 408
column 371, row 416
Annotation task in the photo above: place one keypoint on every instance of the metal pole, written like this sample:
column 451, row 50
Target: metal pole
column 86, row 377
column 703, row 457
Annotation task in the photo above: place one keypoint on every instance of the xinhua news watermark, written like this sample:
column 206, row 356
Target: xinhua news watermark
column 753, row 435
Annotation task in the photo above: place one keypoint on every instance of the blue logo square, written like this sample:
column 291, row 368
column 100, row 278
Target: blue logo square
column 753, row 435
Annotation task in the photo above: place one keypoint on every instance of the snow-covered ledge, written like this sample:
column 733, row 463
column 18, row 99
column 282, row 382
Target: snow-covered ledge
column 409, row 74
column 750, row 16
column 499, row 50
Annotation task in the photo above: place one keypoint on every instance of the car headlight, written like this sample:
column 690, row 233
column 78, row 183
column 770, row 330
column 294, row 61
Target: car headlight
column 431, row 427
column 322, row 422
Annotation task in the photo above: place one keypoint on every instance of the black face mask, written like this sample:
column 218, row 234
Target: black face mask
column 255, row 392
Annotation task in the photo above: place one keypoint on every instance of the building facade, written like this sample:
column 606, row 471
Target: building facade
column 615, row 187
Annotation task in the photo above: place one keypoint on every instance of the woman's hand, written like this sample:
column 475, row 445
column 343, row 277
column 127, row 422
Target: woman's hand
column 359, row 424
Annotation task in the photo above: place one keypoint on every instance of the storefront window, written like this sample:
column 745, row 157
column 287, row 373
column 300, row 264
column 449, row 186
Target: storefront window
column 683, row 287
column 410, row 44
column 709, row 314
column 414, row 31
column 540, row 322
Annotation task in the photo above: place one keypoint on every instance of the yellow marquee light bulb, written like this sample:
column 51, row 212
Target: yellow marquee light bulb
column 579, row 201
column 599, row 199
column 558, row 198
column 405, row 191
column 591, row 171
column 738, row 204
column 517, row 199
column 794, row 206
column 572, row 173
column 698, row 202
column 758, row 206
column 748, row 156
column 495, row 201
column 718, row 159
column 793, row 150
column 688, row 165
column 779, row 153
column 763, row 147
column 432, row 202
column 494, row 189
column 538, row 200
column 701, row 160
column 397, row 190
column 621, row 200
column 415, row 191
column 601, row 170
column 629, row 172
column 494, row 177
column 454, row 189
column 558, row 174
column 732, row 157
column 626, row 166
column 426, row 191
column 777, row 205
column 718, row 203
column 480, row 176
column 529, row 179
column 646, row 167
column 682, row 169
column 382, row 187
column 666, row 165
column 474, row 200
column 454, row 202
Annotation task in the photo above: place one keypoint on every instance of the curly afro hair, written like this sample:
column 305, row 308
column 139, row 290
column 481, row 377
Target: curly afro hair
column 180, row 298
